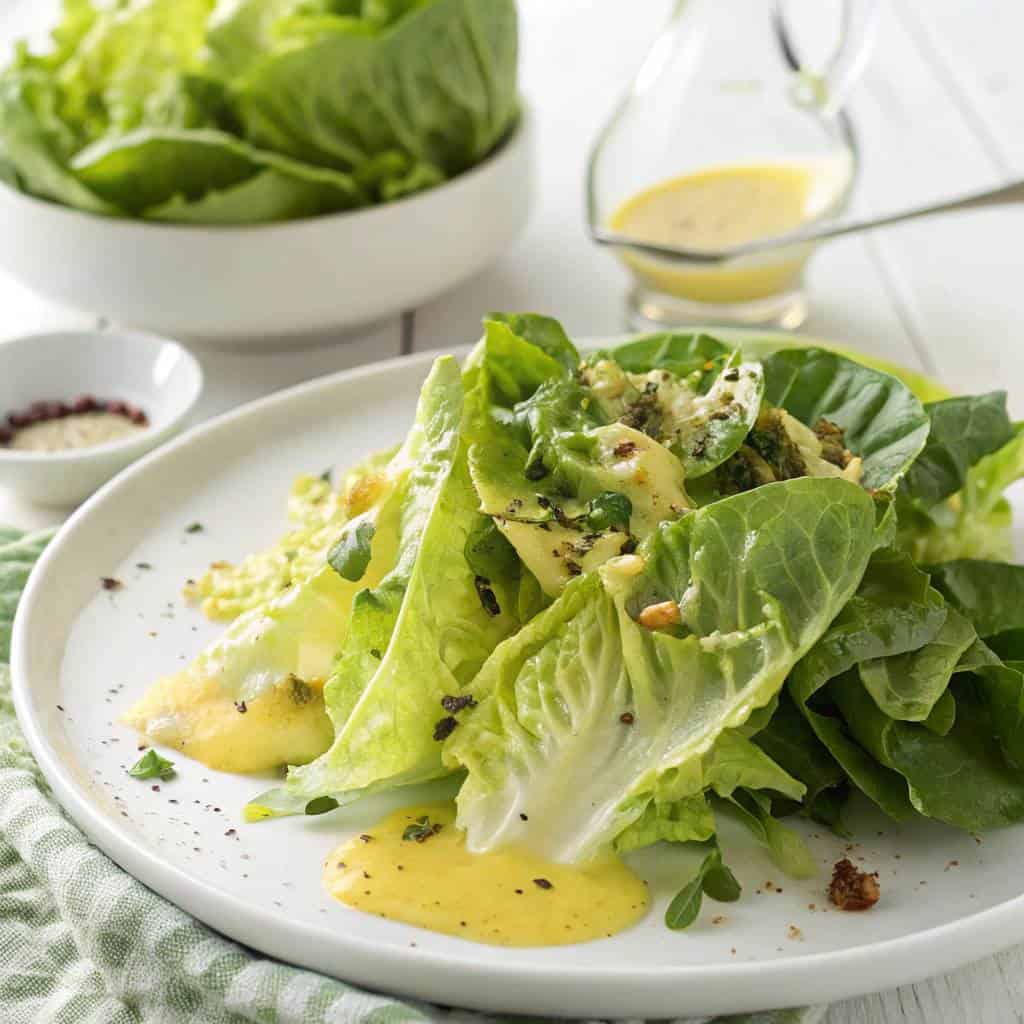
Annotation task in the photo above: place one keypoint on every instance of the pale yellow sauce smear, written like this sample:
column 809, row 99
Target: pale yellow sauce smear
column 191, row 713
column 491, row 898
column 725, row 206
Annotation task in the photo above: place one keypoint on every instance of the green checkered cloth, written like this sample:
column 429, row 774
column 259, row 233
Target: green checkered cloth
column 81, row 942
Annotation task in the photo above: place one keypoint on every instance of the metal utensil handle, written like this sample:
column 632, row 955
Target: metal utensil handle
column 1006, row 194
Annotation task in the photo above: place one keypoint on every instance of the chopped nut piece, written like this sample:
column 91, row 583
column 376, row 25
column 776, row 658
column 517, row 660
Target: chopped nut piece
column 851, row 889
column 658, row 616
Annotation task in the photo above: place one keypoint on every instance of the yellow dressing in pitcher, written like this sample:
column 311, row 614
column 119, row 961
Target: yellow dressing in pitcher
column 509, row 897
column 724, row 206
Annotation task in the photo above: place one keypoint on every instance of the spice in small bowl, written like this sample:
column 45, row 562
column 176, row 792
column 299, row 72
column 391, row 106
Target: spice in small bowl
column 57, row 426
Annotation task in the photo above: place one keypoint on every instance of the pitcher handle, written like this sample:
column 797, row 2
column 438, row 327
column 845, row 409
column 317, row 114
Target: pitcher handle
column 831, row 87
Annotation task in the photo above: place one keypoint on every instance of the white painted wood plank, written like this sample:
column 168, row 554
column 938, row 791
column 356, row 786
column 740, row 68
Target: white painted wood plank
column 975, row 49
column 957, row 278
column 577, row 58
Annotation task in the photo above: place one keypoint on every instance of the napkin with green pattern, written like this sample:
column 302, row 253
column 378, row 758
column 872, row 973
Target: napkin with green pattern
column 81, row 942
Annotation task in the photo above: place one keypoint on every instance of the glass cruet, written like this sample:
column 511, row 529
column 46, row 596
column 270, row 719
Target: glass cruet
column 726, row 135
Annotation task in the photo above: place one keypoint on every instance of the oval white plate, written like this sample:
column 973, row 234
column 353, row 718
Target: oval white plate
column 83, row 654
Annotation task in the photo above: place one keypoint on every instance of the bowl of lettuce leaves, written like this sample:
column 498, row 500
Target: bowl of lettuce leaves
column 244, row 169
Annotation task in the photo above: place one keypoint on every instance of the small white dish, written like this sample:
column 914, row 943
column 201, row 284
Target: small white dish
column 268, row 285
column 155, row 374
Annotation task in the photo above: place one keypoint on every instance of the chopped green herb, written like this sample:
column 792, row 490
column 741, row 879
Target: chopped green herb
column 194, row 528
column 609, row 510
column 326, row 475
column 713, row 879
column 321, row 805
column 420, row 830
column 301, row 692
column 151, row 766
column 350, row 556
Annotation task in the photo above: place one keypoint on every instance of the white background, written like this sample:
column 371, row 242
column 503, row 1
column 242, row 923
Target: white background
column 940, row 110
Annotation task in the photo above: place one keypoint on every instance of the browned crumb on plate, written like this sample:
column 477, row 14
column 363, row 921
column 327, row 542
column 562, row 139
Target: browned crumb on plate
column 851, row 889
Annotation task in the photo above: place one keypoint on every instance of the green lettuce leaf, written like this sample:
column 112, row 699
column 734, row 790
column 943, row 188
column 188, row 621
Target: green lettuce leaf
column 127, row 71
column 419, row 635
column 35, row 144
column 545, row 460
column 895, row 610
column 791, row 742
column 203, row 176
column 788, row 851
column 438, row 86
column 961, row 778
column 989, row 594
column 974, row 522
column 882, row 421
column 963, row 430
column 553, row 763
column 908, row 686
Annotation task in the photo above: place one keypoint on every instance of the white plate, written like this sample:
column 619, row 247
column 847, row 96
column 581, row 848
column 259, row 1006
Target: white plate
column 83, row 654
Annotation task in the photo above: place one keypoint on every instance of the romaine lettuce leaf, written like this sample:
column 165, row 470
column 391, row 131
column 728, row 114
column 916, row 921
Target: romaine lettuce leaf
column 169, row 174
column 963, row 430
column 990, row 594
column 961, row 778
column 908, row 686
column 895, row 610
column 753, row 810
column 418, row 636
column 585, row 715
column 35, row 144
column 975, row 521
column 882, row 421
column 128, row 69
column 438, row 85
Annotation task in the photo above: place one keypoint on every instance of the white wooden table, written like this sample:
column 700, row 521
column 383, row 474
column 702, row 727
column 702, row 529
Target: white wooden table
column 940, row 110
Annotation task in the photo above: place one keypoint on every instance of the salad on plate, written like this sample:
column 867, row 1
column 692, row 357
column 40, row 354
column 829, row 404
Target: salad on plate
column 610, row 599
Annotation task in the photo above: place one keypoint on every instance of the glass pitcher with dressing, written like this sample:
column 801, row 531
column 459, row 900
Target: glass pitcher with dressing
column 725, row 136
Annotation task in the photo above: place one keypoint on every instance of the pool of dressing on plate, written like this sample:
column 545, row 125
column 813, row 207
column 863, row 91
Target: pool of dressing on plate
column 729, row 205
column 414, row 867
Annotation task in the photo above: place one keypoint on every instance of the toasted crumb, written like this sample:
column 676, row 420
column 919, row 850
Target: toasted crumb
column 718, row 919
column 658, row 616
column 851, row 889
column 794, row 934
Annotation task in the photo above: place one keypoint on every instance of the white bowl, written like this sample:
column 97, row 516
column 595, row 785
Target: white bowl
column 156, row 374
column 238, row 285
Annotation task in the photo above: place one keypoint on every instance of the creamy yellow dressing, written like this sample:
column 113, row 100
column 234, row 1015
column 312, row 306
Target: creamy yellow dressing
column 190, row 711
column 509, row 897
column 725, row 206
